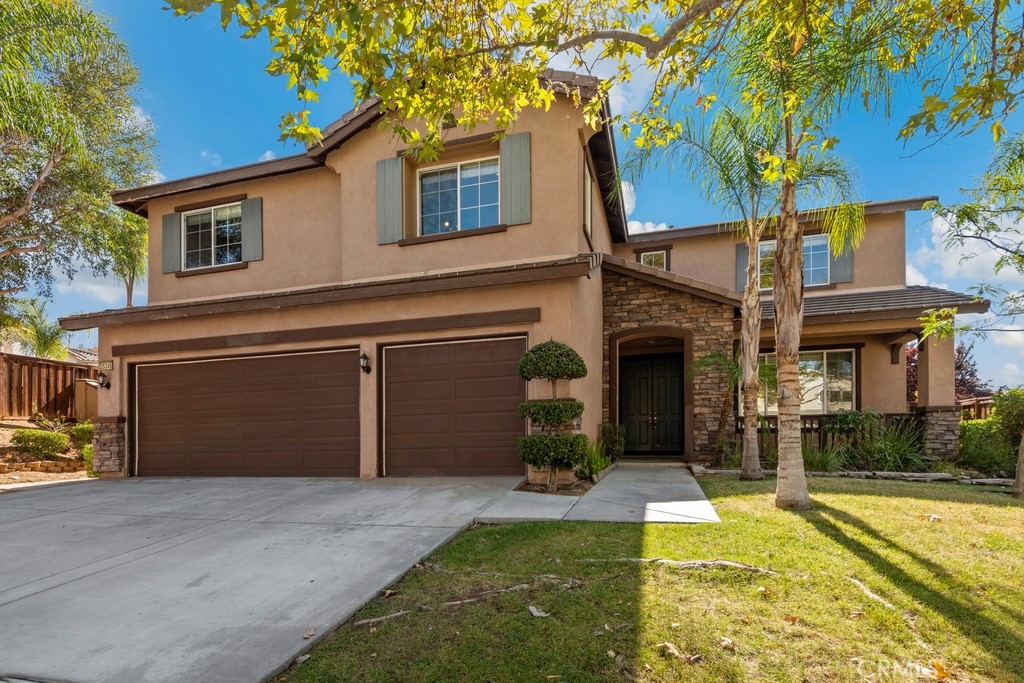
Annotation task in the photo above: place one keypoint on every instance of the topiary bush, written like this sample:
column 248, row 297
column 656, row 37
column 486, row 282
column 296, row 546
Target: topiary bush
column 40, row 443
column 557, row 451
column 552, row 361
column 81, row 433
column 553, row 412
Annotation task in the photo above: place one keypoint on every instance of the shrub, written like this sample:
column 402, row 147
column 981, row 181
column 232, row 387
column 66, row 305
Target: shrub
column 868, row 442
column 614, row 438
column 984, row 448
column 551, row 413
column 1008, row 409
column 81, row 433
column 552, row 361
column 40, row 443
column 87, row 458
column 558, row 451
column 595, row 460
column 823, row 459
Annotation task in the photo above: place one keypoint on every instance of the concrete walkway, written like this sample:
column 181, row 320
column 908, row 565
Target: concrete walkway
column 633, row 492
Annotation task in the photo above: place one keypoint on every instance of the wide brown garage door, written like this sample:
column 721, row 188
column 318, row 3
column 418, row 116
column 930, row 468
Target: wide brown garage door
column 450, row 408
column 268, row 416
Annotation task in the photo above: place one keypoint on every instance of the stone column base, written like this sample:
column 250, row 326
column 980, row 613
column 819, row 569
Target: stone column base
column 941, row 426
column 109, row 447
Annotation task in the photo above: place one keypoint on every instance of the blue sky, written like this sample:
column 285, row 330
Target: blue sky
column 213, row 107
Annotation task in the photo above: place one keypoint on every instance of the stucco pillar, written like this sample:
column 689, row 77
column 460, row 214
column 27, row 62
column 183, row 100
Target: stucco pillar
column 936, row 398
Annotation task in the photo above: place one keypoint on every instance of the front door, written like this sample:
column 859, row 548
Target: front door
column 651, row 404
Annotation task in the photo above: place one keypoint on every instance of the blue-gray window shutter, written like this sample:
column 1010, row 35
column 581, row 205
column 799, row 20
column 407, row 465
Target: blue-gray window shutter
column 741, row 266
column 252, row 229
column 515, row 179
column 840, row 268
column 390, row 191
column 172, row 242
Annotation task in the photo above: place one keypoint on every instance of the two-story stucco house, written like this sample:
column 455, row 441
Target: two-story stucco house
column 351, row 312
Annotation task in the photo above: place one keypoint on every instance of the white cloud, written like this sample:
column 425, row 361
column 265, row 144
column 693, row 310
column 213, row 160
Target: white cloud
column 1013, row 340
column 141, row 119
column 268, row 156
column 156, row 177
column 104, row 292
column 624, row 98
column 212, row 157
column 636, row 227
column 1010, row 375
column 628, row 197
column 932, row 257
column 915, row 276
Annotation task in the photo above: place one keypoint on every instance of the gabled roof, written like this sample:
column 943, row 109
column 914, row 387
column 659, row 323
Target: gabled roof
column 871, row 208
column 903, row 302
column 664, row 278
column 366, row 114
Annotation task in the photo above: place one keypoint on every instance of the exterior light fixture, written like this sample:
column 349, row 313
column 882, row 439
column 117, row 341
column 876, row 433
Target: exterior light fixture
column 102, row 381
column 364, row 363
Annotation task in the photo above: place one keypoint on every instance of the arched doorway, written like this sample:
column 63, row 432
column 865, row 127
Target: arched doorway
column 650, row 393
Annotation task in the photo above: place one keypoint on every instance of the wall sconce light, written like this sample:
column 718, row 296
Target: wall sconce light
column 101, row 380
column 364, row 363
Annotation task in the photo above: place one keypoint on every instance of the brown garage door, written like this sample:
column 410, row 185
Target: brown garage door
column 266, row 416
column 450, row 408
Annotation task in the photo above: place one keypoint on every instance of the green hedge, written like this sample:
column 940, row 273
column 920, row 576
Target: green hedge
column 551, row 413
column 81, row 433
column 561, row 451
column 552, row 360
column 87, row 458
column 984, row 447
column 40, row 443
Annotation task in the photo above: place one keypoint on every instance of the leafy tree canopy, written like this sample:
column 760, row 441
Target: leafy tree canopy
column 69, row 134
column 486, row 59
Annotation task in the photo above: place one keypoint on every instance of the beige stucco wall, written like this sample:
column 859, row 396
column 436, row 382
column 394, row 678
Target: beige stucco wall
column 561, row 319
column 879, row 261
column 320, row 226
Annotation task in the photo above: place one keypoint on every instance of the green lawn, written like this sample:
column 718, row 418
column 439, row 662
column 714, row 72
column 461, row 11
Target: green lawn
column 955, row 589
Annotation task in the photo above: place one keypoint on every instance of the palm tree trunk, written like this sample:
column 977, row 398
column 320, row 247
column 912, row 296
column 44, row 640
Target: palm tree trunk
column 791, row 491
column 750, row 343
column 1018, row 483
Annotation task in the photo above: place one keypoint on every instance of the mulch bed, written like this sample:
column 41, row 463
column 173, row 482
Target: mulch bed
column 575, row 489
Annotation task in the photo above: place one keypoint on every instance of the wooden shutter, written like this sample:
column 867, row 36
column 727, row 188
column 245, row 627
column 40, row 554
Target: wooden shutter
column 252, row 229
column 840, row 268
column 172, row 242
column 390, row 217
column 514, row 174
column 741, row 266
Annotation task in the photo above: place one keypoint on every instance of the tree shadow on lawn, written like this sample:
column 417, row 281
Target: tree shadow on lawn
column 951, row 599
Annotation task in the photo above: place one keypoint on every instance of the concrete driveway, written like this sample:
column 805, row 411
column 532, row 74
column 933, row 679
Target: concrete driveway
column 144, row 580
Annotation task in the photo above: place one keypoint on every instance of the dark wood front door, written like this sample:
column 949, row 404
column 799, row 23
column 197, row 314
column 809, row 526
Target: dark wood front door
column 651, row 404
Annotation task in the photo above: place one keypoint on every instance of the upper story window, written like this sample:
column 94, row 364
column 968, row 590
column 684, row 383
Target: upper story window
column 213, row 236
column 655, row 259
column 816, row 262
column 462, row 196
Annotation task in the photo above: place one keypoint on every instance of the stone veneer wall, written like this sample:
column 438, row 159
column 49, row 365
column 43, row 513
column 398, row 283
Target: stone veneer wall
column 630, row 303
column 941, row 432
column 108, row 446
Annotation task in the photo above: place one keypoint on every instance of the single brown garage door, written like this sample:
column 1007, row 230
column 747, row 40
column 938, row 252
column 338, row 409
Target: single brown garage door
column 450, row 409
column 265, row 416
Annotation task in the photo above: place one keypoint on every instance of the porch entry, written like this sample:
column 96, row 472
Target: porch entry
column 651, row 403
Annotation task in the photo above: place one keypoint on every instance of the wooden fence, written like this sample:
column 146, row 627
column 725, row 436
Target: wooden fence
column 813, row 432
column 29, row 386
column 975, row 408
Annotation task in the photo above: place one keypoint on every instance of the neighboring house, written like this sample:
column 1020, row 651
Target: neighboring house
column 350, row 312
column 83, row 356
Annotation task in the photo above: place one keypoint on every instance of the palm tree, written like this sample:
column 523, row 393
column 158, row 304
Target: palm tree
column 726, row 157
column 805, row 83
column 36, row 333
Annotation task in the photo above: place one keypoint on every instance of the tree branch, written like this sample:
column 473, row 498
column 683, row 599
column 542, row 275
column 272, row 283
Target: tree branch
column 40, row 179
column 12, row 290
column 35, row 249
column 19, row 238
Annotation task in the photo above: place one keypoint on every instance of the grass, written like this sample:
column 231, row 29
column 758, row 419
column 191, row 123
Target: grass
column 953, row 586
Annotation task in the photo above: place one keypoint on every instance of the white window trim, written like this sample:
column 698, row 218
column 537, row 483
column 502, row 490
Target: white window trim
column 774, row 243
column 663, row 252
column 762, row 408
column 213, row 240
column 458, row 189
